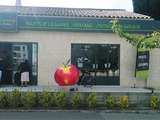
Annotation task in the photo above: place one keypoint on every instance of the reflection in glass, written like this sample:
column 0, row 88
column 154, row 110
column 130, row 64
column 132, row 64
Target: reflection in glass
column 101, row 59
column 15, row 54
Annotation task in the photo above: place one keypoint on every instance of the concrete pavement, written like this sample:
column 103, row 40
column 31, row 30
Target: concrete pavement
column 77, row 115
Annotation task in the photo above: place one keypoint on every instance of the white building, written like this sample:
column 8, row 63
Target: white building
column 48, row 37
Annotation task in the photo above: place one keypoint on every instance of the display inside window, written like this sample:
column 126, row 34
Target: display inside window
column 12, row 54
column 100, row 61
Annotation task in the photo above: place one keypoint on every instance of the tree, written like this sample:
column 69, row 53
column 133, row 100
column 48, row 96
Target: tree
column 147, row 7
column 141, row 42
column 147, row 42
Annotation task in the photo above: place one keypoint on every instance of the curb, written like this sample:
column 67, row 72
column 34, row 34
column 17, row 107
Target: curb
column 102, row 111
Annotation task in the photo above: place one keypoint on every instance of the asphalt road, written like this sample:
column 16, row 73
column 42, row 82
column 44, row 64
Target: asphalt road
column 76, row 115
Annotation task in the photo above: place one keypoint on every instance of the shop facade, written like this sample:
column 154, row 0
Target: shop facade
column 48, row 37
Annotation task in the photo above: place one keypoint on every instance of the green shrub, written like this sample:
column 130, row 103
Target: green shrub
column 3, row 99
column 91, row 100
column 46, row 99
column 15, row 98
column 123, row 102
column 29, row 99
column 109, row 102
column 60, row 99
column 76, row 100
column 154, row 102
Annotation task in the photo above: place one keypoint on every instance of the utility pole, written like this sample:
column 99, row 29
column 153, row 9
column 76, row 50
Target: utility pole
column 18, row 3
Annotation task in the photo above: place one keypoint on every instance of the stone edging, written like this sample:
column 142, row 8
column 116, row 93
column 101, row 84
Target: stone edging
column 104, row 111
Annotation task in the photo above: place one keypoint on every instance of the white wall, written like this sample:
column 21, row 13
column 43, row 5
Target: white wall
column 154, row 78
column 54, row 48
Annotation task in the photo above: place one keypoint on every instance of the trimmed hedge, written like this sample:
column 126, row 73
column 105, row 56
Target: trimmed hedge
column 91, row 100
column 14, row 99
column 64, row 100
column 61, row 99
column 47, row 99
column 4, row 99
column 154, row 102
column 29, row 99
column 109, row 102
column 76, row 100
column 123, row 102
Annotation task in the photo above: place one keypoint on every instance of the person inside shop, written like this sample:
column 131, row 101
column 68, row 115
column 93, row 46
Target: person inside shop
column 24, row 69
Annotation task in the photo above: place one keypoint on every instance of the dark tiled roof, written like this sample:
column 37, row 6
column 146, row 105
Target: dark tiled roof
column 75, row 12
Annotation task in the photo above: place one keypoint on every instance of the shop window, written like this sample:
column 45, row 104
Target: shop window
column 100, row 61
column 12, row 54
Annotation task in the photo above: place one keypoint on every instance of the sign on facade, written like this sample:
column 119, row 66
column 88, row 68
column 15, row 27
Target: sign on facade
column 143, row 60
column 142, row 65
column 8, row 21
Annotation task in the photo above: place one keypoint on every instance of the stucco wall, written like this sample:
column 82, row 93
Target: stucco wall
column 54, row 48
column 154, row 78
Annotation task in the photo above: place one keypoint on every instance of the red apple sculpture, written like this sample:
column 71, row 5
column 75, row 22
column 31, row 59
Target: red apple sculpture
column 66, row 75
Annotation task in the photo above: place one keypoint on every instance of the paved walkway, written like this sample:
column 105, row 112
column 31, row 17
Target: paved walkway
column 76, row 115
column 80, row 89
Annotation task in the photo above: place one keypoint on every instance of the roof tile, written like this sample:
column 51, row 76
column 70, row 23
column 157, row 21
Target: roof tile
column 74, row 12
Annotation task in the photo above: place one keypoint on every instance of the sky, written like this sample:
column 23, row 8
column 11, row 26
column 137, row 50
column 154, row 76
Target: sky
column 104, row 4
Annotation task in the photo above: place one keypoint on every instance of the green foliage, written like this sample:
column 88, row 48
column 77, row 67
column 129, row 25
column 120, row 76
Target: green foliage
column 46, row 99
column 76, row 100
column 147, row 42
column 123, row 102
column 3, row 99
column 109, row 102
column 29, row 99
column 147, row 7
column 133, row 39
column 91, row 100
column 143, row 74
column 154, row 102
column 61, row 99
column 15, row 99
